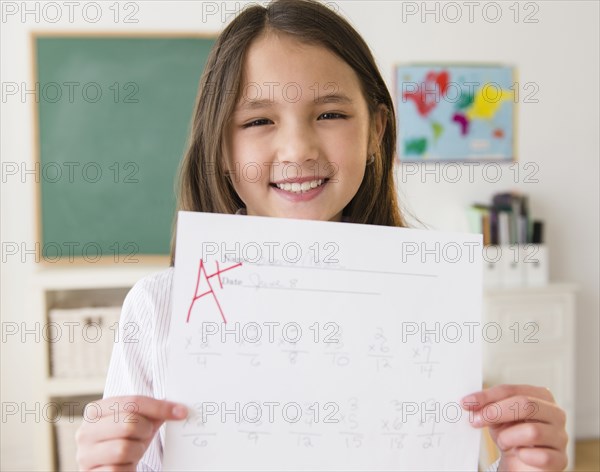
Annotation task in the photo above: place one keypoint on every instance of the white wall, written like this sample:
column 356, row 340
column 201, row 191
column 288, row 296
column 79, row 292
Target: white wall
column 559, row 134
column 557, row 137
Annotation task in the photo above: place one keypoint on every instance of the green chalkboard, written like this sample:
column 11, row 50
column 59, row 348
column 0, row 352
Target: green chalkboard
column 113, row 119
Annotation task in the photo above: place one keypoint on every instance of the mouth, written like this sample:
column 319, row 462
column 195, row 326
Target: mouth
column 299, row 188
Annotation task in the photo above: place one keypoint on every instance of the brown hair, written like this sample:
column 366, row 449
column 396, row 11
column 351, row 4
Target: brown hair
column 203, row 183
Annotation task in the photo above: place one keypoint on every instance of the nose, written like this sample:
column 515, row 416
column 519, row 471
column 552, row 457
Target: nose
column 297, row 143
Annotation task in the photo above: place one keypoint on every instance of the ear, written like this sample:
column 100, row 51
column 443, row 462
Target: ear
column 378, row 129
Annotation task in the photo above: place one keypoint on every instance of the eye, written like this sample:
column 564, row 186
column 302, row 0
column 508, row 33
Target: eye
column 259, row 122
column 332, row 115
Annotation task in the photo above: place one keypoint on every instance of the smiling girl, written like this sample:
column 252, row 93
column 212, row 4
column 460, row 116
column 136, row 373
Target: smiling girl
column 291, row 94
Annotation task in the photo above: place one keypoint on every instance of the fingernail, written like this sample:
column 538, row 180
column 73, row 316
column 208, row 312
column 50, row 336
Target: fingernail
column 469, row 399
column 477, row 420
column 179, row 411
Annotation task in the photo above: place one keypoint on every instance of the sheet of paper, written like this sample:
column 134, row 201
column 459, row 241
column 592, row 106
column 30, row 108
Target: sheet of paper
column 306, row 345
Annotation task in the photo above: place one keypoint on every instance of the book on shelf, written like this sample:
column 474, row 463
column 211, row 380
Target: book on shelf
column 505, row 221
column 520, row 257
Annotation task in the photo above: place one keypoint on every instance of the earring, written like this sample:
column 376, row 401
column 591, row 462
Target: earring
column 371, row 159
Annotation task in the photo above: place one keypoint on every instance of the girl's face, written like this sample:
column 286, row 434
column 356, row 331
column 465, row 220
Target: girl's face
column 298, row 141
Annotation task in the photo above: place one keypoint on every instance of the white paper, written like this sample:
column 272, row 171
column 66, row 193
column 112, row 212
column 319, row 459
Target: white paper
column 343, row 375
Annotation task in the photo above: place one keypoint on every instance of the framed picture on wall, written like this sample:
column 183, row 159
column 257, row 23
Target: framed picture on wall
column 455, row 112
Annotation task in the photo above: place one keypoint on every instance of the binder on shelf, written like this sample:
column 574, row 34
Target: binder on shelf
column 504, row 236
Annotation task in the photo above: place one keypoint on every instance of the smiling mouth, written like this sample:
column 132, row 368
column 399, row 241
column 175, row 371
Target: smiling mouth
column 299, row 188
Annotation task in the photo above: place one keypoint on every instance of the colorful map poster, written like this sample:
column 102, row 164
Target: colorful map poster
column 455, row 113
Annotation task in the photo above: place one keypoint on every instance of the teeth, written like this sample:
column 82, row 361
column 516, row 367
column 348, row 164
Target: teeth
column 300, row 188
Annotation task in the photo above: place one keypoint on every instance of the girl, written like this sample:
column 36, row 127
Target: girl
column 291, row 89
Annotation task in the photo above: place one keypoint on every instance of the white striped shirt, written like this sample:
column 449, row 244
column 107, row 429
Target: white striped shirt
column 139, row 368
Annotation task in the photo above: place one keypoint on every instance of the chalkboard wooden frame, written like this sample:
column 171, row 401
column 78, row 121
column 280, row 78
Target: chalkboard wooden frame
column 69, row 249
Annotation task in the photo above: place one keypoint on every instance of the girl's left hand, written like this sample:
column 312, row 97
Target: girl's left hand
column 525, row 423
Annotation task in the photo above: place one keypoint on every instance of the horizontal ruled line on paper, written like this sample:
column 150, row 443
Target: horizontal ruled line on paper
column 199, row 434
column 410, row 274
column 310, row 290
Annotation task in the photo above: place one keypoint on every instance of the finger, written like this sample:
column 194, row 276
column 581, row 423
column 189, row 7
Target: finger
column 478, row 400
column 115, row 468
column 543, row 458
column 519, row 409
column 113, row 452
column 496, row 430
column 531, row 435
column 146, row 406
column 135, row 427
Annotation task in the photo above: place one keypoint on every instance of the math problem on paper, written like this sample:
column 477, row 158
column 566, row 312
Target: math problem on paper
column 306, row 365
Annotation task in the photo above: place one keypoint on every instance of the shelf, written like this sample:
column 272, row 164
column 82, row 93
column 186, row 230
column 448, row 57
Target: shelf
column 57, row 387
column 82, row 277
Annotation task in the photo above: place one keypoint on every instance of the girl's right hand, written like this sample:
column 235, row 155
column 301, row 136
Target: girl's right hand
column 117, row 431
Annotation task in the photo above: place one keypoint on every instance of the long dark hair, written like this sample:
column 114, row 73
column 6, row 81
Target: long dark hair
column 203, row 183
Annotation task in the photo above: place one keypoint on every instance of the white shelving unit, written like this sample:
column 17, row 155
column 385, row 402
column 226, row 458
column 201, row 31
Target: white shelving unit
column 537, row 345
column 73, row 287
